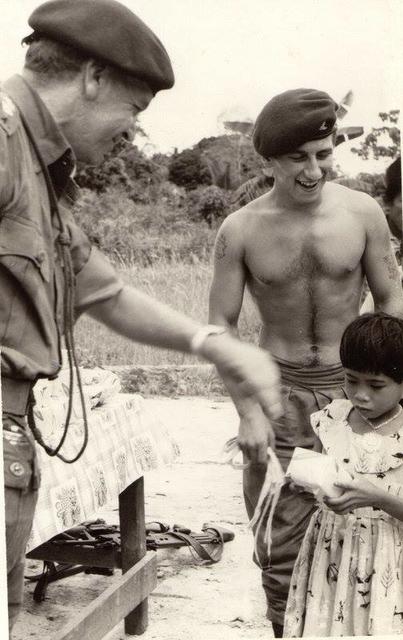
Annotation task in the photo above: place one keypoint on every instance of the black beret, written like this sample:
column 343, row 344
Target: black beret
column 293, row 118
column 108, row 31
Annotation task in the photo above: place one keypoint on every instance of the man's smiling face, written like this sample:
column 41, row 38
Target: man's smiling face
column 301, row 174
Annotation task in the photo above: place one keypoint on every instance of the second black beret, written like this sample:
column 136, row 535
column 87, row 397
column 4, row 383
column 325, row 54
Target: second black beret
column 292, row 118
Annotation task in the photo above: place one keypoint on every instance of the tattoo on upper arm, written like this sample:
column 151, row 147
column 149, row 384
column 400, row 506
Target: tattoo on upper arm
column 393, row 272
column 221, row 247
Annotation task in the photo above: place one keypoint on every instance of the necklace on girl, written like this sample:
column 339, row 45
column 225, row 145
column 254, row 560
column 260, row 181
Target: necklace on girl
column 381, row 424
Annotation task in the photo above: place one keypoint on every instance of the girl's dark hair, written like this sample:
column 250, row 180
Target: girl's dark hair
column 373, row 343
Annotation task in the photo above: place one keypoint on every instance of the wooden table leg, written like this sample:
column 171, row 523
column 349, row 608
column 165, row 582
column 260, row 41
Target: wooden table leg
column 133, row 546
column 138, row 579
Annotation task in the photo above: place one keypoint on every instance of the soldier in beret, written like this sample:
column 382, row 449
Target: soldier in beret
column 91, row 66
column 302, row 250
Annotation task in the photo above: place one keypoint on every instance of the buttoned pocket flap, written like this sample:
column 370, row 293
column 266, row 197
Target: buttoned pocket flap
column 20, row 239
column 17, row 464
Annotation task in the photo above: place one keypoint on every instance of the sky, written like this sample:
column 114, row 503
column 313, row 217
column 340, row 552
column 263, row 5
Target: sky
column 232, row 56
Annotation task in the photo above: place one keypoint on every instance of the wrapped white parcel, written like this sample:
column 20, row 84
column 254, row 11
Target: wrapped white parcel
column 317, row 472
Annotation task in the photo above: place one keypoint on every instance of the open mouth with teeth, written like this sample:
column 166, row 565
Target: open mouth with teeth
column 308, row 185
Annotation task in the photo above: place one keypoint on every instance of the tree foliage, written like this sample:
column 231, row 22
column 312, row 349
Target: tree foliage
column 231, row 160
column 223, row 161
column 189, row 170
column 129, row 169
column 207, row 203
column 382, row 141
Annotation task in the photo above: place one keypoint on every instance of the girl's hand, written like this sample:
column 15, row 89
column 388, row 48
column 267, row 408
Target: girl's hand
column 358, row 492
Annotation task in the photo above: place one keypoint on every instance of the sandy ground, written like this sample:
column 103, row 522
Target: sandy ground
column 190, row 602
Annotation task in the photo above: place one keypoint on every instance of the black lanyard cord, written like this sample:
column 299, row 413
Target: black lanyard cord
column 64, row 242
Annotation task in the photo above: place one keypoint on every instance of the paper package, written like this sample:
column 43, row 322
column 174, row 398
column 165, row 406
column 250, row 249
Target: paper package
column 317, row 473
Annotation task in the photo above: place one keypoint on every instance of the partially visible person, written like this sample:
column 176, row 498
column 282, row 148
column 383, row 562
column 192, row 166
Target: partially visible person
column 302, row 250
column 91, row 66
column 393, row 210
column 393, row 198
column 347, row 579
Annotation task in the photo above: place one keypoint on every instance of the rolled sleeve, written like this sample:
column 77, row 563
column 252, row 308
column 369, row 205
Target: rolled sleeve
column 97, row 281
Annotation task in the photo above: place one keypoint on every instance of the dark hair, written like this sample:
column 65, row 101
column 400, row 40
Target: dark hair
column 373, row 343
column 393, row 181
column 52, row 60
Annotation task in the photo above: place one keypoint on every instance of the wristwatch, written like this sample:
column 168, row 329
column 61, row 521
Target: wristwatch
column 201, row 334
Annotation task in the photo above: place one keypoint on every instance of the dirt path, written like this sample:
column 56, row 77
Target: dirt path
column 190, row 602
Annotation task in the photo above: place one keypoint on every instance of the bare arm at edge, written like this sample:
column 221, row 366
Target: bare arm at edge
column 379, row 263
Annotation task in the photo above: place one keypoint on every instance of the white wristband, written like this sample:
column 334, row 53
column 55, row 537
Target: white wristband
column 201, row 334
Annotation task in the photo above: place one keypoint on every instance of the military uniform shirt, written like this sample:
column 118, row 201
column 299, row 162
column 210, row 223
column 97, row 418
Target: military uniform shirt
column 31, row 275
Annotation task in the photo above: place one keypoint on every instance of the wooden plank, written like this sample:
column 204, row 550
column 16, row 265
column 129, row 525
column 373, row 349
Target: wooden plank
column 133, row 546
column 106, row 611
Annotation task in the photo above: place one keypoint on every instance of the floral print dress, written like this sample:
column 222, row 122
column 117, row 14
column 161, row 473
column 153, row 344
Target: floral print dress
column 348, row 577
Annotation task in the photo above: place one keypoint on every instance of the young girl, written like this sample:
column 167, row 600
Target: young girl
column 348, row 577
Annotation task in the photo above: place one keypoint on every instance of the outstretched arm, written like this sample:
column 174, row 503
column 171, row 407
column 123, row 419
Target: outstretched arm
column 380, row 264
column 251, row 374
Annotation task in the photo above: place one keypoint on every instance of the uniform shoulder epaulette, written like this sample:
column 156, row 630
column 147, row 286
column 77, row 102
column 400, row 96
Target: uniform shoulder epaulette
column 9, row 118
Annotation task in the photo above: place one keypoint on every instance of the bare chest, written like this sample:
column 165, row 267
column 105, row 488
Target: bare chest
column 302, row 255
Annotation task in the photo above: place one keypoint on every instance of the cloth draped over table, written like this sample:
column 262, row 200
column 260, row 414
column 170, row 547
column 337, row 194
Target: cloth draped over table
column 126, row 440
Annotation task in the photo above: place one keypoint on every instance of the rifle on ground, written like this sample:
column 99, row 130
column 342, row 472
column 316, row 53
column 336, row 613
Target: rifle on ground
column 206, row 546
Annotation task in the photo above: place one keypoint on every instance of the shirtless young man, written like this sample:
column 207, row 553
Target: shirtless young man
column 302, row 250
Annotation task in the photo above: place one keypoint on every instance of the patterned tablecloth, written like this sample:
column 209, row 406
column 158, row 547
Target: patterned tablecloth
column 125, row 441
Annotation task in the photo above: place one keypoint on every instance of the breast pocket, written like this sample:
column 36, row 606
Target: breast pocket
column 22, row 250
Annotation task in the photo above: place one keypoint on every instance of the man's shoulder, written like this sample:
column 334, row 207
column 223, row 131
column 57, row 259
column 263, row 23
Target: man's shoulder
column 355, row 201
column 348, row 192
column 9, row 116
column 251, row 211
column 240, row 223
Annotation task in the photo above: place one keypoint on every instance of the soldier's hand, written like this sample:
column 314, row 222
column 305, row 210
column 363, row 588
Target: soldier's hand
column 255, row 434
column 250, row 374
